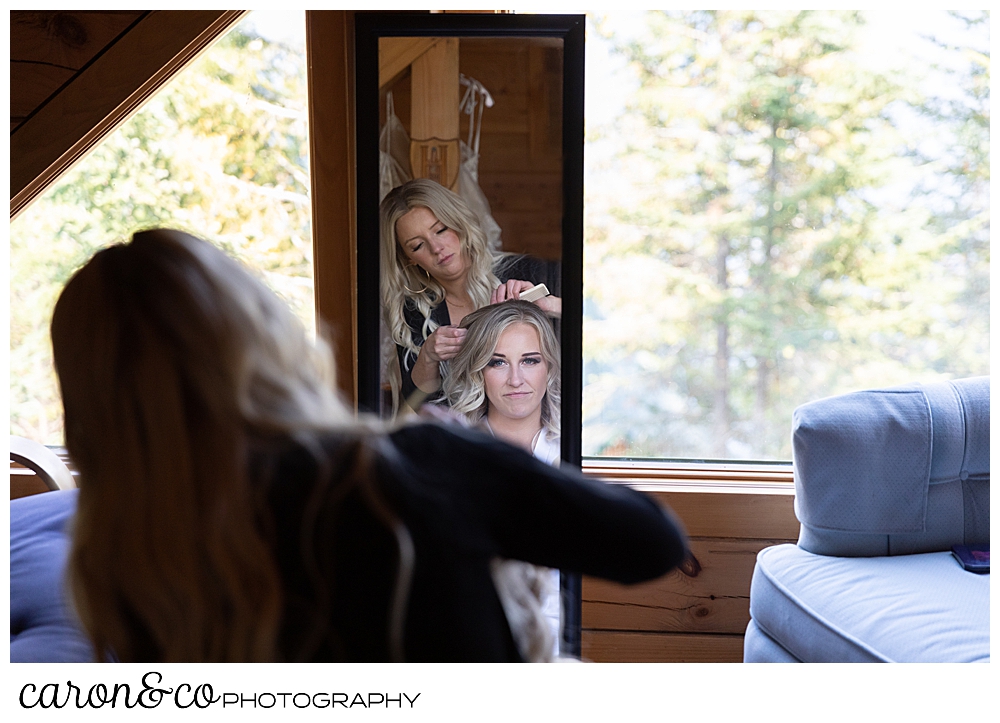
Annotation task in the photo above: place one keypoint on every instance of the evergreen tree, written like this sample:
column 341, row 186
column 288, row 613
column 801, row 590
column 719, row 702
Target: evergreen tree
column 760, row 155
column 220, row 152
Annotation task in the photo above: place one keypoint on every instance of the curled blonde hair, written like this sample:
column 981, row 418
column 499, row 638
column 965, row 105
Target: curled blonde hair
column 172, row 361
column 403, row 281
column 464, row 386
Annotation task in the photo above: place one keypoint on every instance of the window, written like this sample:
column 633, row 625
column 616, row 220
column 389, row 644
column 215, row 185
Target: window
column 221, row 151
column 781, row 206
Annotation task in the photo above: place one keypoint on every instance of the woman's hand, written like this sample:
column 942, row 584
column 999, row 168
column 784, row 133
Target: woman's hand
column 510, row 290
column 443, row 344
column 551, row 305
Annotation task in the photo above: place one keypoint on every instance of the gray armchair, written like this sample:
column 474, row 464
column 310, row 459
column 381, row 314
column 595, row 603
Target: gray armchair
column 886, row 481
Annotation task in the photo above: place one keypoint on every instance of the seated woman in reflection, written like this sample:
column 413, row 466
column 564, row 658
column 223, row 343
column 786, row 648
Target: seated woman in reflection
column 231, row 508
column 437, row 267
column 506, row 379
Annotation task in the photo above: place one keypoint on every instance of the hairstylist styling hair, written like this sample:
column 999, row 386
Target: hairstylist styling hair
column 436, row 268
column 232, row 509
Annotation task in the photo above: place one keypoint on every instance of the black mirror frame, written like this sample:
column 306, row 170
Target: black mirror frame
column 369, row 27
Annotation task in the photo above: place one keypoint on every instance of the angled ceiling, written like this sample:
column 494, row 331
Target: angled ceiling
column 78, row 75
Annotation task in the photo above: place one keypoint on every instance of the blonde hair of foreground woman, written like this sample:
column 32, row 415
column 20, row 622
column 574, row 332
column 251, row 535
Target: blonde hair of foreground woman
column 465, row 386
column 173, row 360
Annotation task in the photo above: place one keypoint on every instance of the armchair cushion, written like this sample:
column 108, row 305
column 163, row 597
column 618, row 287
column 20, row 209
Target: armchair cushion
column 912, row 608
column 43, row 628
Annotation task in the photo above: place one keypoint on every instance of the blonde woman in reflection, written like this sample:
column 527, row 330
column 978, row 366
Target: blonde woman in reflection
column 506, row 379
column 436, row 267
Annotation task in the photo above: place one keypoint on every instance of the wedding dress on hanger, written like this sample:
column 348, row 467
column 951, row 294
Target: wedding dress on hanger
column 393, row 151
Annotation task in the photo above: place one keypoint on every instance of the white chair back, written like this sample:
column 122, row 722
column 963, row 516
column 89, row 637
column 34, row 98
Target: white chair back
column 42, row 461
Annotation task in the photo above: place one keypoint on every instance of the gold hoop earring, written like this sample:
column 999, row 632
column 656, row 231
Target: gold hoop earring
column 426, row 287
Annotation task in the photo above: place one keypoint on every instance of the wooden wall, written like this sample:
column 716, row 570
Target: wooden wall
column 76, row 76
column 24, row 482
column 520, row 166
column 700, row 612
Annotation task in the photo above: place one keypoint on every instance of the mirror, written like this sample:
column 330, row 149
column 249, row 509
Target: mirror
column 491, row 108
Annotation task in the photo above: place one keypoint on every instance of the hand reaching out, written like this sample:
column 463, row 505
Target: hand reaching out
column 443, row 414
column 551, row 305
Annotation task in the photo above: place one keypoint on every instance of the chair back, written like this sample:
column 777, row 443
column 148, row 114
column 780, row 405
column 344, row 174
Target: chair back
column 42, row 461
column 894, row 471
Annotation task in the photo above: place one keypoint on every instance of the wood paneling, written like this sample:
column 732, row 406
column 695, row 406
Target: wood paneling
column 520, row 155
column 434, row 82
column 105, row 93
column 714, row 597
column 330, row 47
column 616, row 647
column 395, row 56
column 699, row 612
column 734, row 514
column 24, row 482
column 520, row 164
column 31, row 84
column 759, row 477
column 515, row 193
column 545, row 69
column 47, row 49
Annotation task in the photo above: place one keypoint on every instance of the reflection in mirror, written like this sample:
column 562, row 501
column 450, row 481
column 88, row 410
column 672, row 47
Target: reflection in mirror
column 506, row 377
column 477, row 124
column 490, row 109
column 506, row 380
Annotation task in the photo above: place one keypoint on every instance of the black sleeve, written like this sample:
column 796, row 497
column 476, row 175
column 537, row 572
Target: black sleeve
column 500, row 499
column 415, row 323
column 407, row 387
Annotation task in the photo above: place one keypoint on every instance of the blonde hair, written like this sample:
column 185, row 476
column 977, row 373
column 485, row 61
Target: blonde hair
column 403, row 281
column 464, row 387
column 173, row 361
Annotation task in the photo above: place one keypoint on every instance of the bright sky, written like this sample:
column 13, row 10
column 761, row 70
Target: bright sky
column 892, row 37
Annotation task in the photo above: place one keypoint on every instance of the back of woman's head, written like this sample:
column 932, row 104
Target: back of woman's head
column 464, row 387
column 171, row 359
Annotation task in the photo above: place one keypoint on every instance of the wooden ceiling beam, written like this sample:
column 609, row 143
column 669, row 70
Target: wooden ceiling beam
column 395, row 55
column 105, row 94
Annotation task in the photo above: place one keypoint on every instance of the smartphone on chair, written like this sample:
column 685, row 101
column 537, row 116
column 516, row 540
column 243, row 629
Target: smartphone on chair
column 974, row 558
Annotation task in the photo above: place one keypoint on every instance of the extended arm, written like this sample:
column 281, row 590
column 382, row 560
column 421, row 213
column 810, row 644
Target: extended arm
column 512, row 505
